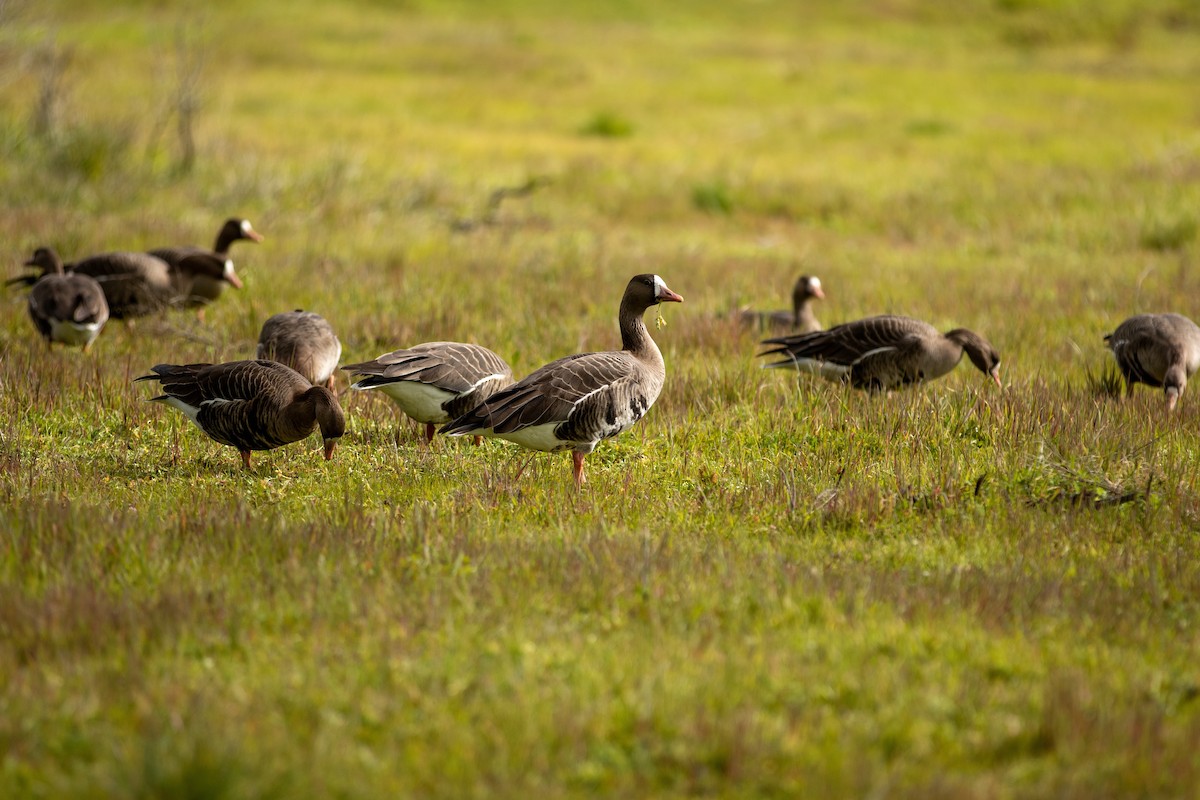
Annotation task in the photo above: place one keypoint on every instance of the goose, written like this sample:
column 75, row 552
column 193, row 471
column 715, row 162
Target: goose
column 575, row 402
column 137, row 284
column 883, row 353
column 134, row 284
column 305, row 342
column 1157, row 350
column 250, row 405
column 65, row 307
column 435, row 382
column 193, row 290
column 801, row 318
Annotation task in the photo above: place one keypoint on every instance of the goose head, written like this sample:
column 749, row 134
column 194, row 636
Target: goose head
column 807, row 287
column 211, row 266
column 236, row 229
column 647, row 290
column 979, row 350
column 1173, row 383
column 46, row 259
column 329, row 416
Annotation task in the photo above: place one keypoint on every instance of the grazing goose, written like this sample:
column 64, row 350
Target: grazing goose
column 199, row 290
column 305, row 342
column 134, row 284
column 251, row 405
column 435, row 382
column 1157, row 350
column 801, row 318
column 573, row 403
column 65, row 307
column 883, row 353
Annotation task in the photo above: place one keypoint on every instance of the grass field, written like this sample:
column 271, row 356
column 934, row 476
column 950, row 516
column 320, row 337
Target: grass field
column 771, row 587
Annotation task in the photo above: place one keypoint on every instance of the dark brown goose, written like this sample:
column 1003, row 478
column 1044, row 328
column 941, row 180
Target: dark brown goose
column 1157, row 350
column 883, row 353
column 137, row 284
column 199, row 290
column 575, row 402
column 65, row 307
column 435, row 382
column 134, row 284
column 305, row 342
column 251, row 405
column 800, row 319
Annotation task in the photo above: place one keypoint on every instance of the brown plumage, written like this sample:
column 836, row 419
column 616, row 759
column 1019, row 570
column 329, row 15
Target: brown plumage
column 134, row 284
column 251, row 405
column 435, row 382
column 883, row 353
column 193, row 289
column 577, row 401
column 1157, row 350
column 65, row 307
column 800, row 319
column 305, row 342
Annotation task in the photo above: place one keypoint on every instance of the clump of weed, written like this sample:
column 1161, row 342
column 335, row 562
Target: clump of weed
column 1106, row 382
column 713, row 197
column 607, row 125
column 1174, row 233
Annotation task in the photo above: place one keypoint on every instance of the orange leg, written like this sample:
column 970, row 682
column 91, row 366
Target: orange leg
column 478, row 441
column 577, row 462
column 245, row 458
column 430, row 429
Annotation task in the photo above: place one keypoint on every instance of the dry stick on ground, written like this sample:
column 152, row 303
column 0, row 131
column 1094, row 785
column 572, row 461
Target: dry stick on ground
column 495, row 199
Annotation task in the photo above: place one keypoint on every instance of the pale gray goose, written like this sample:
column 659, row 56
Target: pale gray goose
column 65, row 307
column 199, row 290
column 801, row 318
column 435, row 382
column 305, row 342
column 251, row 405
column 1157, row 350
column 575, row 402
column 884, row 353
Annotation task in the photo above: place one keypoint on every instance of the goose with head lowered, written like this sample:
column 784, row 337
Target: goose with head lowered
column 435, row 382
column 1157, row 350
column 251, row 405
column 305, row 342
column 800, row 319
column 199, row 290
column 883, row 353
column 65, row 307
column 578, row 401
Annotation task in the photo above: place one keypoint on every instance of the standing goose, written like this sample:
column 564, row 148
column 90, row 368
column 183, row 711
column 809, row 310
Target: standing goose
column 801, row 318
column 573, row 403
column 884, row 353
column 251, row 405
column 305, row 342
column 199, row 290
column 65, row 307
column 1157, row 350
column 435, row 382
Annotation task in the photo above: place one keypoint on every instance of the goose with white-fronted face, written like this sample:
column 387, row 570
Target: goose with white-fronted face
column 199, row 290
column 576, row 402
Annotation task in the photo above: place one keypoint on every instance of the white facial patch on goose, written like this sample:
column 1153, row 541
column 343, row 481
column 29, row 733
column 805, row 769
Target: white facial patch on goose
column 814, row 283
column 245, row 226
column 228, row 266
column 659, row 286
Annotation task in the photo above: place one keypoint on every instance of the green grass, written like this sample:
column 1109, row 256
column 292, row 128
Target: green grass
column 770, row 587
